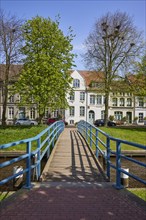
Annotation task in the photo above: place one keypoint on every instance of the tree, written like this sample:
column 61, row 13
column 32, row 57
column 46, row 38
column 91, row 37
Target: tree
column 111, row 47
column 45, row 77
column 137, row 81
column 10, row 44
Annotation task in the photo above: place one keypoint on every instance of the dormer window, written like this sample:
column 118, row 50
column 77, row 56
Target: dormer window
column 76, row 83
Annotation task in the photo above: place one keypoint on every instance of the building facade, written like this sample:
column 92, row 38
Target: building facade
column 86, row 102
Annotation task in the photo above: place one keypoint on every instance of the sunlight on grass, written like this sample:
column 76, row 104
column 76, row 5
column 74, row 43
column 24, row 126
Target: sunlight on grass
column 16, row 133
column 141, row 193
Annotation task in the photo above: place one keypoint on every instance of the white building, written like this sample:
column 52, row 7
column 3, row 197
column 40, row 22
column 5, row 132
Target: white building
column 87, row 101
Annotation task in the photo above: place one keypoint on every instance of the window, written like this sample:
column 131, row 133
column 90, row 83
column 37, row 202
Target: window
column 55, row 114
column 129, row 102
column 99, row 99
column 47, row 113
column 21, row 112
column 122, row 102
column 10, row 112
column 76, row 83
column 71, row 122
column 122, row 93
column 72, row 96
column 92, row 99
column 102, row 114
column 82, row 96
column 118, row 115
column 82, row 111
column 114, row 101
column 32, row 113
column 11, row 99
column 140, row 118
column 72, row 111
column 141, row 102
column 94, row 84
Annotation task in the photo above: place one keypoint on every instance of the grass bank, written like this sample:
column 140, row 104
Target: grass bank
column 132, row 134
column 141, row 193
column 16, row 133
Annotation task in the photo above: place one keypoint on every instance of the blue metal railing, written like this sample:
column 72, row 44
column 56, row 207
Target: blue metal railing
column 43, row 145
column 91, row 134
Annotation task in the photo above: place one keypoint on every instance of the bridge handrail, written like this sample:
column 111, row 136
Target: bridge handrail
column 90, row 132
column 53, row 131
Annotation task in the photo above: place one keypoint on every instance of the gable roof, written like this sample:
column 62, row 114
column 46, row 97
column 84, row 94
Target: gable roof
column 91, row 76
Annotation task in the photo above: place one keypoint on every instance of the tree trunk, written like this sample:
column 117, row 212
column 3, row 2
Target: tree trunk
column 5, row 95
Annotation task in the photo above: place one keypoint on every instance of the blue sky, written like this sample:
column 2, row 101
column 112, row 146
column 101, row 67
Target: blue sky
column 80, row 15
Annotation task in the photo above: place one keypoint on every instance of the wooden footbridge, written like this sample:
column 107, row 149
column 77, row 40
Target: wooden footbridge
column 72, row 161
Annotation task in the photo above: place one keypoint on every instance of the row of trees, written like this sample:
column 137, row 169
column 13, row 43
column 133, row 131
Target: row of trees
column 46, row 54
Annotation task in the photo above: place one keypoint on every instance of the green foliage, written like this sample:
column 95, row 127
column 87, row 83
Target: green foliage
column 48, row 56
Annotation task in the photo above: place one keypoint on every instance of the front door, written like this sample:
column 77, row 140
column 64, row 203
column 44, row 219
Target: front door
column 129, row 117
column 91, row 117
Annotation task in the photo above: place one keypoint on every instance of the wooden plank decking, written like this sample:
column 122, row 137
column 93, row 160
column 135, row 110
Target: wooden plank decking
column 72, row 161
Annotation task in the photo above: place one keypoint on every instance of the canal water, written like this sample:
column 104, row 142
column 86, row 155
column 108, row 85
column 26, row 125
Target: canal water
column 133, row 168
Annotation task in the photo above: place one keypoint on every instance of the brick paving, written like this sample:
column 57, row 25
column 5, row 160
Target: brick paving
column 75, row 190
column 73, row 203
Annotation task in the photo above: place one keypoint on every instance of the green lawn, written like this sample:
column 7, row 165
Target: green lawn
column 139, row 192
column 16, row 133
column 132, row 134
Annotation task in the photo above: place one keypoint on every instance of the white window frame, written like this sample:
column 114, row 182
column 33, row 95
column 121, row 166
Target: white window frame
column 72, row 96
column 99, row 99
column 82, row 96
column 32, row 113
column 11, row 99
column 122, row 102
column 72, row 111
column 76, row 83
column 118, row 115
column 129, row 102
column 82, row 111
column 10, row 112
column 115, row 101
column 140, row 102
column 92, row 99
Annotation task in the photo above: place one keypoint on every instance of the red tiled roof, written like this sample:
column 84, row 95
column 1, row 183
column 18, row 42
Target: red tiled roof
column 91, row 76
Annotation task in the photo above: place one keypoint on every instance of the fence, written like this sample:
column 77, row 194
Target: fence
column 43, row 142
column 91, row 134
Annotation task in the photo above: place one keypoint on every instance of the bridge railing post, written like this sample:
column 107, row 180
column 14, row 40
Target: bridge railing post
column 96, row 143
column 118, row 165
column 90, row 135
column 48, row 151
column 108, row 156
column 86, row 132
column 28, row 166
column 38, row 173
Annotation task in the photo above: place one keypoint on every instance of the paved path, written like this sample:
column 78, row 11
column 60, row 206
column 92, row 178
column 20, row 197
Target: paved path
column 75, row 190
